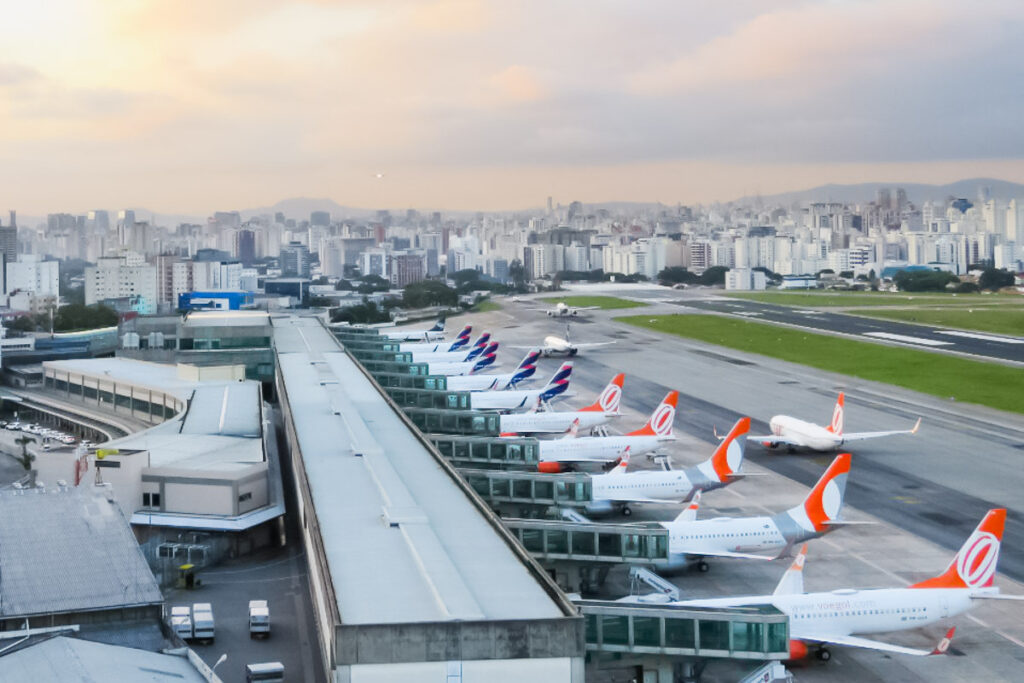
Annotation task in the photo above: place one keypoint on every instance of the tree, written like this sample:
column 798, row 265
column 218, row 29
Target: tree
column 24, row 323
column 465, row 278
column 429, row 293
column 82, row 317
column 967, row 288
column 343, row 285
column 360, row 314
column 826, row 271
column 517, row 273
column 995, row 278
column 25, row 458
column 715, row 275
column 677, row 274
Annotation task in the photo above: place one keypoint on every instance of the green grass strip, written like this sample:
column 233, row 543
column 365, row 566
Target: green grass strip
column 603, row 302
column 988, row 384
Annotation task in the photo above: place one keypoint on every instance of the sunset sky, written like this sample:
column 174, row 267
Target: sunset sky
column 189, row 106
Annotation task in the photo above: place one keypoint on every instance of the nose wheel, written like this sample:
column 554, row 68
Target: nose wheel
column 823, row 654
column 703, row 566
column 627, row 511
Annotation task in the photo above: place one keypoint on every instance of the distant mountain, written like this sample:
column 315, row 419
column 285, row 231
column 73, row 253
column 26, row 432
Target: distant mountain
column 916, row 192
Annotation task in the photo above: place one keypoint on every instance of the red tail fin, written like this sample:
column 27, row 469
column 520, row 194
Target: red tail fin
column 836, row 426
column 728, row 457
column 975, row 565
column 661, row 421
column 608, row 401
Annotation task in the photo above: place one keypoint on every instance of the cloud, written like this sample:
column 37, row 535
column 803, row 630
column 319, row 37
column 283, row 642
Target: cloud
column 518, row 84
column 16, row 74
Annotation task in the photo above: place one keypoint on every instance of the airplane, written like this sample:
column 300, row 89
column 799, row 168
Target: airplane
column 435, row 333
column 460, row 341
column 523, row 372
column 486, row 359
column 518, row 398
column 842, row 616
column 691, row 540
column 462, row 354
column 551, row 422
column 619, row 487
column 561, row 310
column 795, row 433
column 555, row 345
column 558, row 454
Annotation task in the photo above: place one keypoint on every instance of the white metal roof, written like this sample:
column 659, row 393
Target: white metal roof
column 403, row 541
column 226, row 318
column 71, row 659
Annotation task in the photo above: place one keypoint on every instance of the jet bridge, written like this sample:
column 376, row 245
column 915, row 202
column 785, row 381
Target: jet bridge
column 465, row 422
column 429, row 398
column 364, row 355
column 664, row 639
column 580, row 554
column 483, row 452
column 404, row 381
column 529, row 494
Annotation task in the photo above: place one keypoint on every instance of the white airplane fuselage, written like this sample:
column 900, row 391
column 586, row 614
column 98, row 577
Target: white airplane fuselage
column 552, row 422
column 601, row 449
column 805, row 434
column 415, row 335
column 440, row 356
column 482, row 382
column 556, row 345
column 428, row 347
column 504, row 400
column 725, row 534
column 859, row 612
column 452, row 369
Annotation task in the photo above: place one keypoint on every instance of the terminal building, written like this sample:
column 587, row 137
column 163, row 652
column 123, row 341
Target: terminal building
column 198, row 458
column 412, row 575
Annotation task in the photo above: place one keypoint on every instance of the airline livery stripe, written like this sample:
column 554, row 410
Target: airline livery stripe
column 982, row 337
column 907, row 340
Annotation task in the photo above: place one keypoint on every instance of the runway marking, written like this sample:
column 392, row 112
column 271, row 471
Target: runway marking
column 908, row 340
column 746, row 313
column 982, row 337
column 1010, row 638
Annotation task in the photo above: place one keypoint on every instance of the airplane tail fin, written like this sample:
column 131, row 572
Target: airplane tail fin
column 661, row 421
column 975, row 565
column 526, row 368
column 488, row 358
column 574, row 430
column 559, row 382
column 825, row 501
column 479, row 346
column 608, row 401
column 689, row 514
column 792, row 582
column 728, row 457
column 438, row 326
column 462, row 339
column 623, row 462
column 836, row 426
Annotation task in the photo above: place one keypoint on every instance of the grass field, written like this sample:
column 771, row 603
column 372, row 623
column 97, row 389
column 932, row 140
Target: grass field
column 988, row 384
column 833, row 299
column 603, row 302
column 991, row 319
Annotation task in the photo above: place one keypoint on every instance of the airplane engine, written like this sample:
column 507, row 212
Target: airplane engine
column 798, row 649
column 549, row 467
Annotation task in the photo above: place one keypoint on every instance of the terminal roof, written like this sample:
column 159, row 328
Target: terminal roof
column 403, row 541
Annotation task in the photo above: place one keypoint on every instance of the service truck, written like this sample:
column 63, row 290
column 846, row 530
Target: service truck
column 202, row 621
column 181, row 621
column 259, row 619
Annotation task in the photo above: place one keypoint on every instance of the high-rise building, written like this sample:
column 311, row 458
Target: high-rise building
column 320, row 218
column 122, row 277
column 9, row 243
column 29, row 274
column 295, row 260
column 245, row 246
column 406, row 267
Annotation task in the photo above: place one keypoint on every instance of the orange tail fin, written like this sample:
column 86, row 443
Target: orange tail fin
column 661, row 421
column 975, row 565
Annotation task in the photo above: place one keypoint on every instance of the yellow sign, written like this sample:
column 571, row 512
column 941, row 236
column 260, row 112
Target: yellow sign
column 104, row 452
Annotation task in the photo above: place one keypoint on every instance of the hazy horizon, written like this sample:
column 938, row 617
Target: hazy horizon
column 469, row 105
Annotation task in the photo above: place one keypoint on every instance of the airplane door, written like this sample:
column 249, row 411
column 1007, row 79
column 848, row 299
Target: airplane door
column 944, row 606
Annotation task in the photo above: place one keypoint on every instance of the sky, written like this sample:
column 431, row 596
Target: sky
column 471, row 104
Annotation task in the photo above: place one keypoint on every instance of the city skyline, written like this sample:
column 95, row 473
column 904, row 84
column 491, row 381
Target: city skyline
column 465, row 105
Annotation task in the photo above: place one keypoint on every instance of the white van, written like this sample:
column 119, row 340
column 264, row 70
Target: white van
column 202, row 622
column 259, row 619
column 181, row 622
column 266, row 672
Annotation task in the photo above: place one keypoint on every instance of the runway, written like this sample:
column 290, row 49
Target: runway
column 923, row 337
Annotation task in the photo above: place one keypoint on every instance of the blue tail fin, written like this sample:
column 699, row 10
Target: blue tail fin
column 462, row 339
column 559, row 383
column 526, row 368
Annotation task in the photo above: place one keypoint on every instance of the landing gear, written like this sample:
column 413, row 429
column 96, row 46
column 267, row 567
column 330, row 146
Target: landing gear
column 627, row 511
column 823, row 654
column 791, row 449
column 702, row 566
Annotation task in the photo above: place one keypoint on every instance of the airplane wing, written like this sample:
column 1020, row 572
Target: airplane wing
column 854, row 641
column 729, row 553
column 860, row 436
column 589, row 345
column 773, row 440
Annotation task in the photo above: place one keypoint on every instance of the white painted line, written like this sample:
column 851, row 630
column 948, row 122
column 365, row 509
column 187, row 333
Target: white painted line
column 809, row 312
column 982, row 337
column 906, row 340
column 981, row 623
column 745, row 313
